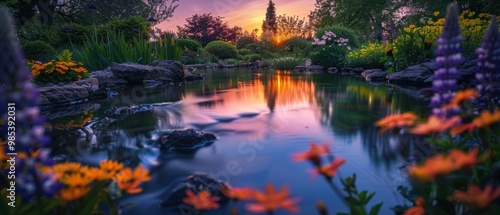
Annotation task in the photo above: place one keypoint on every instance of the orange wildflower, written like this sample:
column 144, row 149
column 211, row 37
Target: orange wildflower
column 438, row 165
column 270, row 200
column 73, row 193
column 76, row 180
column 396, row 121
column 129, row 180
column 67, row 167
column 435, row 124
column 418, row 209
column 477, row 197
column 461, row 96
column 313, row 154
column 96, row 173
column 111, row 166
column 329, row 170
column 484, row 119
column 202, row 201
column 237, row 193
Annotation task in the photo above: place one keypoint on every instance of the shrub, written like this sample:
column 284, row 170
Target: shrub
column 244, row 41
column 57, row 71
column 74, row 34
column 288, row 63
column 245, row 51
column 296, row 43
column 37, row 50
column 221, row 49
column 188, row 44
column 330, row 51
column 370, row 56
column 131, row 27
column 188, row 57
column 252, row 57
column 232, row 61
column 33, row 30
column 342, row 32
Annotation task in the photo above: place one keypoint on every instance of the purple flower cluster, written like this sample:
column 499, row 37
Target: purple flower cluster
column 448, row 57
column 17, row 91
column 488, row 64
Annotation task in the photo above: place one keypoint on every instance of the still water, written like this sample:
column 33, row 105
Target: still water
column 261, row 118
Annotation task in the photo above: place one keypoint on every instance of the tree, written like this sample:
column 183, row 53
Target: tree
column 293, row 26
column 269, row 24
column 22, row 10
column 205, row 28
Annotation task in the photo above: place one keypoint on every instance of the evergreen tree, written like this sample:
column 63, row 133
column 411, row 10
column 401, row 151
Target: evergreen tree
column 270, row 23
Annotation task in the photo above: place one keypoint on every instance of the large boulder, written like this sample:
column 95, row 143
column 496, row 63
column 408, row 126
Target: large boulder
column 175, row 67
column 108, row 80
column 414, row 75
column 63, row 95
column 374, row 75
column 136, row 73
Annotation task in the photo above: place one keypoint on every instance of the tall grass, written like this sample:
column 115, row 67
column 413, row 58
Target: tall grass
column 288, row 63
column 99, row 53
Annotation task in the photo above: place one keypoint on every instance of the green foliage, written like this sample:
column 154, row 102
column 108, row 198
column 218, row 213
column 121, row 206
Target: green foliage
column 242, row 42
column 358, row 201
column 221, row 49
column 65, row 55
column 189, row 44
column 370, row 56
column 245, row 51
column 37, row 50
column 288, row 63
column 98, row 54
column 188, row 57
column 57, row 71
column 252, row 57
column 296, row 43
column 342, row 32
column 232, row 61
column 131, row 27
column 34, row 30
column 74, row 34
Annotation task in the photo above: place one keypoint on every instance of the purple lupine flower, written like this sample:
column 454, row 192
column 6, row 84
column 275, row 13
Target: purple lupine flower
column 18, row 93
column 488, row 64
column 448, row 56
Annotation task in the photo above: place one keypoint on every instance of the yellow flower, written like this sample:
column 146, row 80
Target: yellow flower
column 436, row 13
column 471, row 14
column 73, row 193
column 412, row 26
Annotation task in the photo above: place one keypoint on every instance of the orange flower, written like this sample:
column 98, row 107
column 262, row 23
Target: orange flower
column 484, row 119
column 202, row 201
column 237, row 193
column 67, row 167
column 76, row 180
column 418, row 209
column 461, row 96
column 96, row 173
column 396, row 121
column 435, row 125
column 73, row 193
column 477, row 197
column 111, row 166
column 438, row 165
column 270, row 200
column 329, row 170
column 129, row 180
column 313, row 154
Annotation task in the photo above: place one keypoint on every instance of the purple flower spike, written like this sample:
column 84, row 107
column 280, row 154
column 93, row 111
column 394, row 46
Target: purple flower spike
column 448, row 57
column 488, row 64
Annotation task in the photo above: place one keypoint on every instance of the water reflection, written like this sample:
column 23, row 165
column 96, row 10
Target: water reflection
column 260, row 118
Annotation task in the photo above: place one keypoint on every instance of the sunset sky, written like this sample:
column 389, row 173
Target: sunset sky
column 247, row 14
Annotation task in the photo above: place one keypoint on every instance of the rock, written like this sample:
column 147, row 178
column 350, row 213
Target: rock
column 175, row 67
column 332, row 70
column 192, row 77
column 108, row 80
column 374, row 75
column 415, row 75
column 188, row 139
column 311, row 68
column 129, row 110
column 136, row 73
column 351, row 71
column 63, row 95
column 150, row 83
column 195, row 183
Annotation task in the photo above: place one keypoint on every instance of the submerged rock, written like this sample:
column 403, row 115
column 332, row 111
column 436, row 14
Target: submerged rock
column 188, row 139
column 129, row 110
column 195, row 183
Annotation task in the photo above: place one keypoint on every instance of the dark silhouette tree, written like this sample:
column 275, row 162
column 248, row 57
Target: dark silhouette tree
column 206, row 28
column 270, row 24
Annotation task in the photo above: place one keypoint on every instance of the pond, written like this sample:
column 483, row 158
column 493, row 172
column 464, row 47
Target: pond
column 261, row 118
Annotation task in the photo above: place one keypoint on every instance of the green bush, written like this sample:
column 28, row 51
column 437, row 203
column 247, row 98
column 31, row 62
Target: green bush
column 296, row 43
column 34, row 30
column 341, row 31
column 188, row 57
column 74, row 34
column 252, row 57
column 189, row 44
column 221, row 49
column 245, row 51
column 38, row 50
column 232, row 61
column 370, row 56
column 288, row 63
column 244, row 41
column 131, row 27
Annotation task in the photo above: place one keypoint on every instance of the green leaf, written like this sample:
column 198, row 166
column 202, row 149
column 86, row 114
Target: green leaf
column 375, row 209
